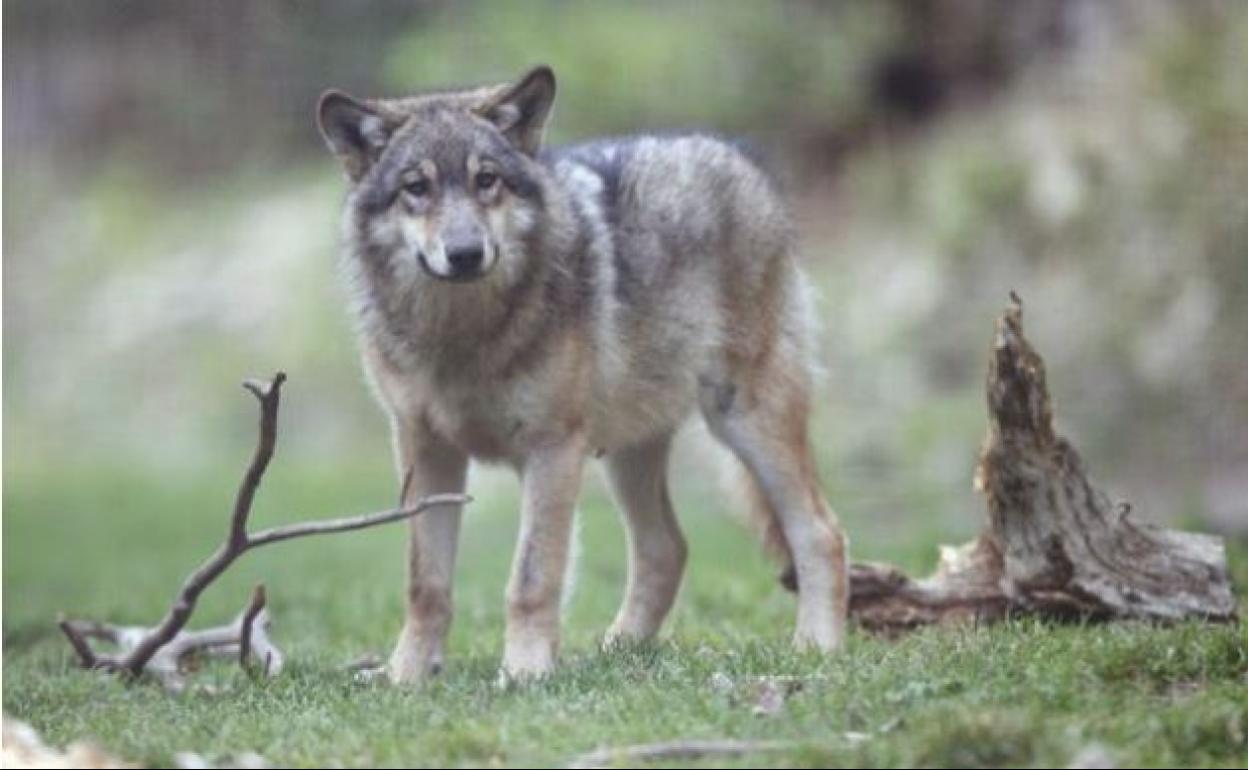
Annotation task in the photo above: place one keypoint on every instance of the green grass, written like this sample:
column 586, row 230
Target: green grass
column 113, row 543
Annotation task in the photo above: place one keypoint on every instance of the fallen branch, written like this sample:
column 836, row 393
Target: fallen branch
column 1054, row 544
column 160, row 649
column 249, row 627
column 247, row 637
column 674, row 751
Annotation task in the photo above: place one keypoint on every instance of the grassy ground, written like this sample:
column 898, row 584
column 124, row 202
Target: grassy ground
column 114, row 543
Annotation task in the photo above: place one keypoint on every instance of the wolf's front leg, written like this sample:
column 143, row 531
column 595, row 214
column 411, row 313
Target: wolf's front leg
column 551, row 481
column 435, row 467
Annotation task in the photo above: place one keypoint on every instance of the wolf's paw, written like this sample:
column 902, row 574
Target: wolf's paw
column 527, row 662
column 514, row 678
column 410, row 673
column 622, row 637
column 616, row 638
column 518, row 673
column 411, row 663
column 828, row 639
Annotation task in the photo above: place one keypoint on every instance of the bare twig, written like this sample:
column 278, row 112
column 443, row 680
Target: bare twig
column 675, row 751
column 270, row 397
column 167, row 664
column 249, row 632
column 263, row 648
column 363, row 663
column 408, row 476
column 245, row 629
column 348, row 523
column 76, row 640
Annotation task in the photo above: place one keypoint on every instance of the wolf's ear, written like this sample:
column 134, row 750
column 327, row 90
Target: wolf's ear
column 354, row 131
column 520, row 110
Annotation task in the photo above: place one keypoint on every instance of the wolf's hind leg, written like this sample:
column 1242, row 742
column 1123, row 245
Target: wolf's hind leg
column 656, row 547
column 762, row 417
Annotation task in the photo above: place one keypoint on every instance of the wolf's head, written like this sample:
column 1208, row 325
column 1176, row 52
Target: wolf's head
column 446, row 181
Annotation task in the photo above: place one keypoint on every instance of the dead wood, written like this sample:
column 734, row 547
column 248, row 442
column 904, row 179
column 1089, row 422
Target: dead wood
column 675, row 751
column 243, row 637
column 1054, row 543
column 162, row 648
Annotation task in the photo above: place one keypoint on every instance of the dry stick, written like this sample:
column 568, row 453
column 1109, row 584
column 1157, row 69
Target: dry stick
column 165, row 664
column 269, row 398
column 245, row 626
column 238, row 542
column 78, row 642
column 263, row 648
column 363, row 663
column 675, row 750
column 212, row 639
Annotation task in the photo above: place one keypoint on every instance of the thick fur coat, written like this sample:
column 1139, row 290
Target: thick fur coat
column 537, row 307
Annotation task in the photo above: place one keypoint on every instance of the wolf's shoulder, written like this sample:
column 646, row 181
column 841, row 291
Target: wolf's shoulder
column 610, row 156
column 660, row 172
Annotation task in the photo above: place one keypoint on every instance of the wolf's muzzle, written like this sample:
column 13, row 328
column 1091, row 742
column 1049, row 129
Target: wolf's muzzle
column 466, row 260
column 466, row 263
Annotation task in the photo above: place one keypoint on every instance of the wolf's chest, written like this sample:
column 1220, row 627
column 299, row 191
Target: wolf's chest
column 487, row 423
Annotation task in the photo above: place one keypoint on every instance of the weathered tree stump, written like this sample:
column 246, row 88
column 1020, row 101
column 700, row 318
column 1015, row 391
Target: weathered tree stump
column 1054, row 544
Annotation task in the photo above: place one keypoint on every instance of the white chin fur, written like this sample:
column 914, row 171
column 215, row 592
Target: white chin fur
column 435, row 260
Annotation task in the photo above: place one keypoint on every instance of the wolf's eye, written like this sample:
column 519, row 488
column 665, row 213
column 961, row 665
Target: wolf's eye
column 418, row 188
column 486, row 180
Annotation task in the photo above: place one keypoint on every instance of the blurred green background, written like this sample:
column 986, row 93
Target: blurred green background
column 170, row 227
column 171, row 224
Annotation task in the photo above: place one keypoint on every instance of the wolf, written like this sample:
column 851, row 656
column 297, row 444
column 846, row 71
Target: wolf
column 538, row 307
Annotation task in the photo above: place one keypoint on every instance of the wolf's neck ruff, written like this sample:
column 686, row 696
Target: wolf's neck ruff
column 547, row 277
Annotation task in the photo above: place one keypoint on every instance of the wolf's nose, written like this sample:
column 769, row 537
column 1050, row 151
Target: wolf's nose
column 466, row 259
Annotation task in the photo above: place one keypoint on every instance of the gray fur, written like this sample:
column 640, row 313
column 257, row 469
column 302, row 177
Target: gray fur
column 621, row 245
column 631, row 280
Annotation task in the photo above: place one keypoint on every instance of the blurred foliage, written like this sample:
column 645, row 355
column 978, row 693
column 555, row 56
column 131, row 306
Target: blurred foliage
column 736, row 66
column 1111, row 189
column 170, row 226
column 171, row 217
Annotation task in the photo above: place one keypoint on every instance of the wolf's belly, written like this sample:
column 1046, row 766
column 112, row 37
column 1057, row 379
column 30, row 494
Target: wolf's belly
column 490, row 436
column 634, row 410
column 501, row 429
